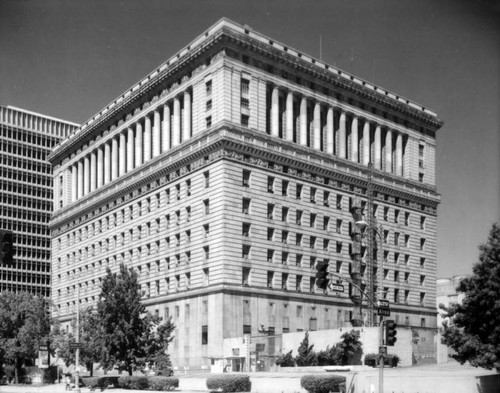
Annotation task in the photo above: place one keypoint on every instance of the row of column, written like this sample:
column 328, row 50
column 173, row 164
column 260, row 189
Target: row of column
column 162, row 129
column 383, row 148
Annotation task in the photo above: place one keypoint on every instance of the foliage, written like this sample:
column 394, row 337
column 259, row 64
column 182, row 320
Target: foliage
column 321, row 383
column 331, row 356
column 373, row 360
column 229, row 383
column 92, row 348
column 163, row 384
column 285, row 360
column 306, row 355
column 131, row 337
column 133, row 382
column 349, row 346
column 101, row 382
column 472, row 329
column 24, row 325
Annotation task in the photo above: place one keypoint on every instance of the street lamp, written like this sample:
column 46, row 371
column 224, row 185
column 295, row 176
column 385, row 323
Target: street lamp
column 364, row 226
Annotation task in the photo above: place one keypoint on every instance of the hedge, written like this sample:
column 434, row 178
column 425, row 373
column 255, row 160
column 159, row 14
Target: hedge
column 163, row 384
column 133, row 382
column 229, row 383
column 100, row 382
column 373, row 360
column 320, row 383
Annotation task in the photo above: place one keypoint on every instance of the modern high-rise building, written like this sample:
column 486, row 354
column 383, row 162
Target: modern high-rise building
column 26, row 139
column 225, row 175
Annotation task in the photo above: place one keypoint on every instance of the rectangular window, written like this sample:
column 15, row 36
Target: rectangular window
column 284, row 214
column 284, row 188
column 284, row 237
column 245, row 206
column 208, row 121
column 270, row 184
column 270, row 211
column 208, row 87
column 245, row 276
column 245, row 119
column 299, row 191
column 206, row 176
column 245, row 229
column 339, row 202
column 312, row 220
column 204, row 335
column 270, row 234
column 245, row 251
column 326, row 198
column 298, row 283
column 422, row 222
column 270, row 256
column 206, row 204
column 246, row 178
column 313, row 195
column 299, row 217
column 270, row 279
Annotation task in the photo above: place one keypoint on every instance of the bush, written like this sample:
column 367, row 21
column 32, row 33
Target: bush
column 285, row 360
column 323, row 383
column 373, row 360
column 229, row 383
column 133, row 382
column 91, row 382
column 163, row 384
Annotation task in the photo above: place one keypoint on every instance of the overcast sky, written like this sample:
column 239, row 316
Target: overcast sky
column 70, row 58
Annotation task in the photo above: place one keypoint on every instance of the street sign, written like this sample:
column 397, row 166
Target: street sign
column 336, row 287
column 382, row 351
column 75, row 345
column 385, row 312
column 383, row 303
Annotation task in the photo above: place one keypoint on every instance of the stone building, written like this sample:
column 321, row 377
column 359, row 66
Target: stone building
column 226, row 174
column 26, row 139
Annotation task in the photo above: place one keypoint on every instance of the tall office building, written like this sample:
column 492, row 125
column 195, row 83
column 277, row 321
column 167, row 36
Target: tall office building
column 226, row 175
column 26, row 195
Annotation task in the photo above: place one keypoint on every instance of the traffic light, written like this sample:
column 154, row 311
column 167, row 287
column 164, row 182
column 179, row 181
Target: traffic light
column 6, row 247
column 322, row 275
column 390, row 332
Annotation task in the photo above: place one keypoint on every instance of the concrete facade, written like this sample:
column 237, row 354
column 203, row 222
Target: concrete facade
column 226, row 174
column 26, row 195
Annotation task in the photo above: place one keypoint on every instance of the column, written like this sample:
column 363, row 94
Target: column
column 187, row 116
column 123, row 154
column 377, row 148
column 74, row 182
column 147, row 138
column 342, row 136
column 166, row 128
column 329, row 132
column 156, row 133
column 100, row 166
column 93, row 171
column 317, row 126
column 130, row 149
column 303, row 122
column 114, row 158
column 176, row 137
column 366, row 143
column 289, row 117
column 275, row 108
column 354, row 140
column 388, row 151
column 80, row 179
column 107, row 163
column 86, row 175
column 399, row 154
column 138, row 144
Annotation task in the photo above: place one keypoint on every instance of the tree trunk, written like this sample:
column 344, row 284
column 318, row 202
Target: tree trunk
column 130, row 370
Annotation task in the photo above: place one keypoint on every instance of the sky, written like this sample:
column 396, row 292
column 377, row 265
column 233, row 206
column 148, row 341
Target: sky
column 70, row 58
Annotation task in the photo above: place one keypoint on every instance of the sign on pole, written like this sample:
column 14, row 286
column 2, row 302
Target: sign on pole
column 43, row 356
column 75, row 345
column 336, row 287
column 385, row 312
column 383, row 303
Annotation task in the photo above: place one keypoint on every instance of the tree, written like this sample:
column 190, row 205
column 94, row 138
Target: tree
column 472, row 328
column 90, row 338
column 349, row 346
column 131, row 337
column 306, row 355
column 24, row 326
column 158, row 357
column 285, row 360
column 330, row 356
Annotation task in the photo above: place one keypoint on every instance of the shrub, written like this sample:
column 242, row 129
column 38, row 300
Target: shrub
column 332, row 356
column 285, row 360
column 229, row 383
column 323, row 383
column 163, row 384
column 91, row 382
column 373, row 360
column 133, row 382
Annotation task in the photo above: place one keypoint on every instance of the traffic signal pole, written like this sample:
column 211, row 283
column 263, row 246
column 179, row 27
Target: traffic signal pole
column 382, row 359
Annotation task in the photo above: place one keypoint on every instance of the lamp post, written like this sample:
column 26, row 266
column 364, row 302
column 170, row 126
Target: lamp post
column 378, row 230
